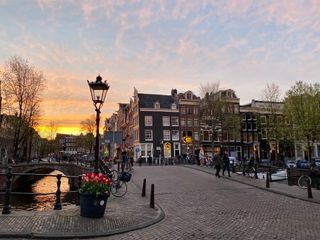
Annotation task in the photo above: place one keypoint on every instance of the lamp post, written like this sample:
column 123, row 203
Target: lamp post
column 98, row 90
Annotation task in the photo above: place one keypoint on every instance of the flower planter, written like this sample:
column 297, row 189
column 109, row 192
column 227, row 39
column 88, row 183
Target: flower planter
column 93, row 206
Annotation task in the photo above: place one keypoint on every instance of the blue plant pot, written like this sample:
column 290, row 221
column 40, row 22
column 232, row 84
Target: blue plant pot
column 93, row 206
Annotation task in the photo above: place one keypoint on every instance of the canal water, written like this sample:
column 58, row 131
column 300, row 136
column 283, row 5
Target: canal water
column 41, row 202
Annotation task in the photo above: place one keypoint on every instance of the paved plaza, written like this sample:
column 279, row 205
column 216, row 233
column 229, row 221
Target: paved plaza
column 196, row 205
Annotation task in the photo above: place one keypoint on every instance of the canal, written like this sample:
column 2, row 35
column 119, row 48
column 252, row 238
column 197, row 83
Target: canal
column 46, row 185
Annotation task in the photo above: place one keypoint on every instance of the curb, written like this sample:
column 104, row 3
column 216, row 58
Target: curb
column 58, row 235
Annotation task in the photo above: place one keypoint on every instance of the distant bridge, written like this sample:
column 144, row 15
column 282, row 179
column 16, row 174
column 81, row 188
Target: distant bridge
column 69, row 169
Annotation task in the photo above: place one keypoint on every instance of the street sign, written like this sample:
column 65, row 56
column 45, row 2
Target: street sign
column 187, row 139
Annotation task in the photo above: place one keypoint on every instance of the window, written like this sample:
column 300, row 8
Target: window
column 263, row 133
column 196, row 136
column 175, row 135
column 206, row 135
column 157, row 105
column 249, row 116
column 174, row 121
column 189, row 95
column 165, row 121
column 183, row 121
column 196, row 122
column 249, row 126
column 173, row 106
column 166, row 135
column 243, row 116
column 244, row 137
column 195, row 110
column 143, row 150
column 254, row 126
column 190, row 122
column 244, row 126
column 224, row 136
column 148, row 120
column 255, row 136
column 263, row 120
column 148, row 135
column 189, row 110
column 235, row 108
column 183, row 110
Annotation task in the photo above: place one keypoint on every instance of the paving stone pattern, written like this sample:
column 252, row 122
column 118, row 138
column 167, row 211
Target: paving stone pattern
column 122, row 214
column 200, row 206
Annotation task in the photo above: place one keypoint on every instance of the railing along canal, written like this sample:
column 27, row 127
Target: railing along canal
column 57, row 206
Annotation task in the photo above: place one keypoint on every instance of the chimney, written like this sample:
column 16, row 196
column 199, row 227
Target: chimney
column 174, row 92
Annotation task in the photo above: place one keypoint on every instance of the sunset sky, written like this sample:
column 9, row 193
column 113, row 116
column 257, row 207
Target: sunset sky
column 159, row 45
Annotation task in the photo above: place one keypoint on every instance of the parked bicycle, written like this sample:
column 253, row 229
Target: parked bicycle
column 313, row 177
column 109, row 171
column 250, row 171
column 119, row 186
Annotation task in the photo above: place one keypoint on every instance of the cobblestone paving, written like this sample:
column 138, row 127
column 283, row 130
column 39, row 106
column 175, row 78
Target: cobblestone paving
column 121, row 215
column 200, row 206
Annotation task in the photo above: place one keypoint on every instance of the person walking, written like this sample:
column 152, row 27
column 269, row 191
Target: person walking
column 226, row 164
column 217, row 164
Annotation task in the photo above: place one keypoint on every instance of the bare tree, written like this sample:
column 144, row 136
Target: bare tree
column 22, row 87
column 275, row 122
column 88, row 126
column 271, row 93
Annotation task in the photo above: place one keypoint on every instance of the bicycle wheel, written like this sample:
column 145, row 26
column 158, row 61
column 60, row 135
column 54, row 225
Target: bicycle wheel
column 251, row 171
column 303, row 181
column 118, row 188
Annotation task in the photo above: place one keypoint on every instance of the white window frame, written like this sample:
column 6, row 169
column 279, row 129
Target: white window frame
column 166, row 135
column 165, row 120
column 183, row 122
column 175, row 135
column 174, row 121
column 148, row 135
column 196, row 136
column 148, row 120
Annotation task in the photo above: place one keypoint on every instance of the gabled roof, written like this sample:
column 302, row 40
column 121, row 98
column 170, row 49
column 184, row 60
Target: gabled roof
column 148, row 100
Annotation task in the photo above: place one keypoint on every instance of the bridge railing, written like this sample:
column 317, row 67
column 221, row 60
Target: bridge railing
column 57, row 206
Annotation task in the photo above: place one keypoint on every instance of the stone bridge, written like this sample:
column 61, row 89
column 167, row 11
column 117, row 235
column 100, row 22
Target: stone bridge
column 68, row 169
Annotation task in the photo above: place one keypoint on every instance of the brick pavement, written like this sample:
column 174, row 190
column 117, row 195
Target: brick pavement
column 200, row 206
column 276, row 187
column 122, row 214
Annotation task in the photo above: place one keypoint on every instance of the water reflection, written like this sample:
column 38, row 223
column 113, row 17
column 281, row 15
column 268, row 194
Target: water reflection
column 45, row 185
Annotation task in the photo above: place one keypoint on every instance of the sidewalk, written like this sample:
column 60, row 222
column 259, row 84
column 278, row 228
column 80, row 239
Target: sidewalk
column 120, row 217
column 276, row 187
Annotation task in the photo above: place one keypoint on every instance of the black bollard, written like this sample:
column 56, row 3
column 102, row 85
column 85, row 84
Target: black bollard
column 7, row 207
column 143, row 194
column 152, row 196
column 256, row 172
column 267, row 180
column 79, row 186
column 243, row 170
column 58, row 205
column 309, row 190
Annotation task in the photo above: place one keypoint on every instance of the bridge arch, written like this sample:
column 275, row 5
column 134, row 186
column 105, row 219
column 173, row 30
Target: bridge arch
column 68, row 169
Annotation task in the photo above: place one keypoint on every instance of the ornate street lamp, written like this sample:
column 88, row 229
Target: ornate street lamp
column 98, row 90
